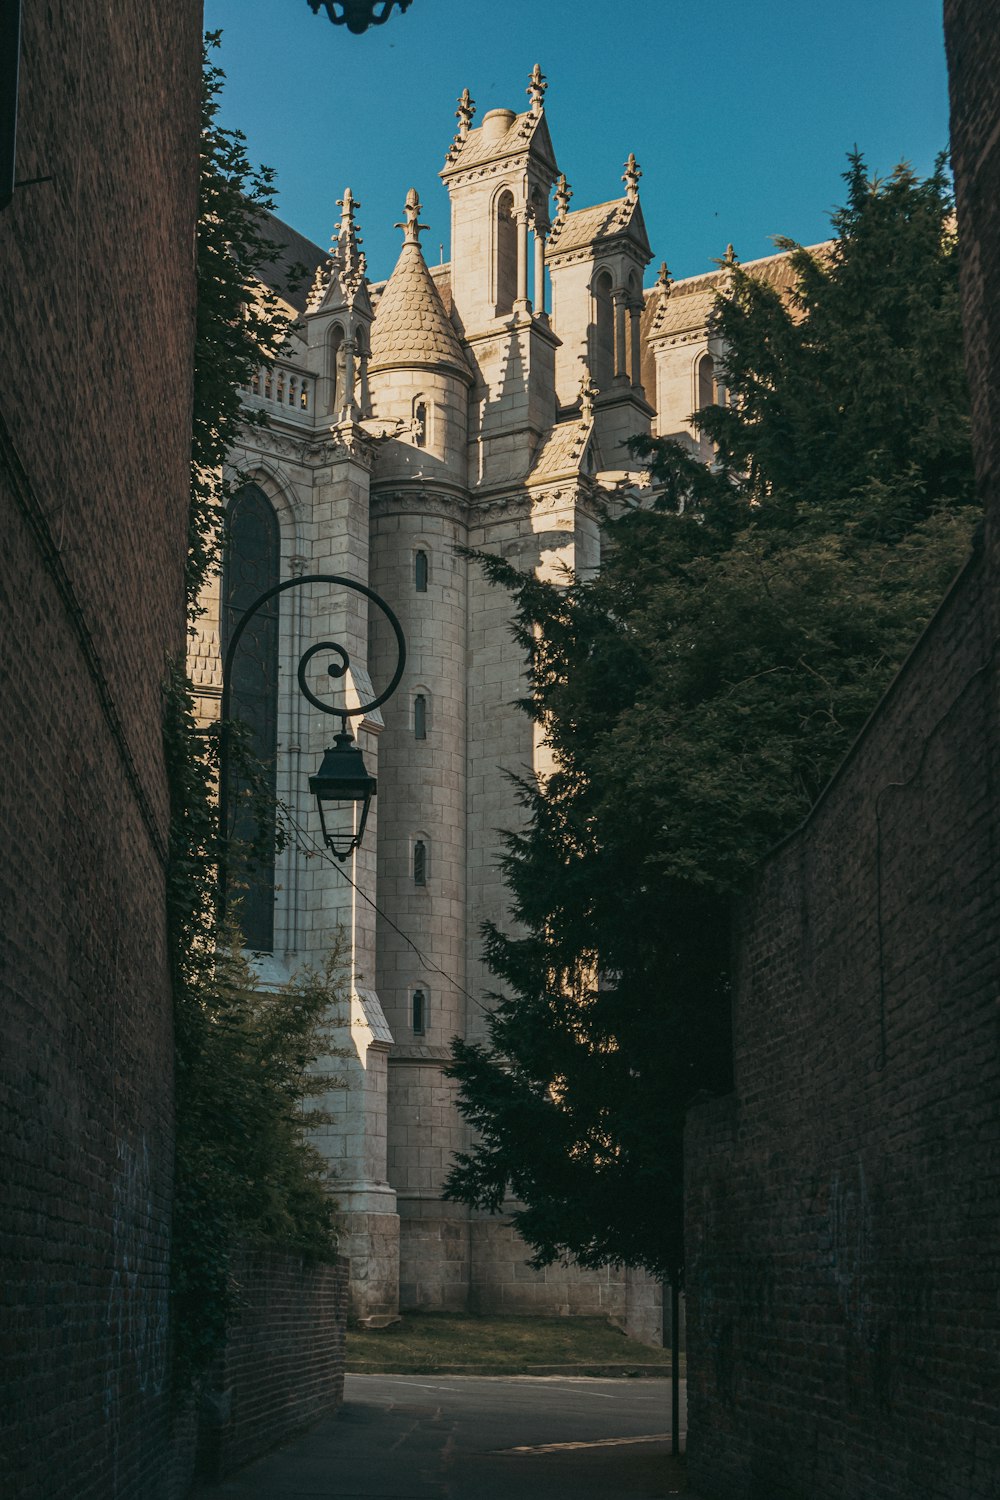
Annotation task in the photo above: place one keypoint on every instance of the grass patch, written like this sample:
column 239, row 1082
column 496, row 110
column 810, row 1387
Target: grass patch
column 441, row 1343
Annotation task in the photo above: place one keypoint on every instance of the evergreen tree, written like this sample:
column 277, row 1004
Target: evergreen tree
column 697, row 695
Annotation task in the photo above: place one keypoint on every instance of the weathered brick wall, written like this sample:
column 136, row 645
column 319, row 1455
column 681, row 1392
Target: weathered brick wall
column 843, row 1208
column 283, row 1366
column 96, row 337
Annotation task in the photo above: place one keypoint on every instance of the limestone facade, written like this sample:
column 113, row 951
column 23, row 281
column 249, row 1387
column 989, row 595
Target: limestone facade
column 443, row 409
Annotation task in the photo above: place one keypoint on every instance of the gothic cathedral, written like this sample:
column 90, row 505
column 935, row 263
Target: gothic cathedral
column 447, row 408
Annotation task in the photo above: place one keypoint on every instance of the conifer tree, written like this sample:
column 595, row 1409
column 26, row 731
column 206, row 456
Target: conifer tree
column 696, row 696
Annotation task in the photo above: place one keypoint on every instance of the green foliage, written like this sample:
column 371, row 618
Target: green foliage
column 245, row 1172
column 245, row 1059
column 240, row 322
column 697, row 696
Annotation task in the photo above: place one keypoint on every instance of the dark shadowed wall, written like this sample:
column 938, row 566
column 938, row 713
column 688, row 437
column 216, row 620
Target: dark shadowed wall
column 843, row 1204
column 96, row 343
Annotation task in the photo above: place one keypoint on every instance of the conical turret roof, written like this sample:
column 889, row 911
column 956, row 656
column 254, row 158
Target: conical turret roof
column 411, row 328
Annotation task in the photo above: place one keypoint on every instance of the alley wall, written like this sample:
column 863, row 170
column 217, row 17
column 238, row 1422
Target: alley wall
column 96, row 348
column 843, row 1212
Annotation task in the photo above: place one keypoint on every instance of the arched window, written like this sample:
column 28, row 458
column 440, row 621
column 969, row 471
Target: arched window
column 420, row 423
column 420, row 863
column 603, row 368
column 418, row 1012
column 420, row 572
column 706, row 381
column 337, row 367
column 420, row 717
column 505, row 264
column 251, row 565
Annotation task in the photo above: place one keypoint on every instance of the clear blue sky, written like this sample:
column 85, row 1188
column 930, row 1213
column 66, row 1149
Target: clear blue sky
column 740, row 112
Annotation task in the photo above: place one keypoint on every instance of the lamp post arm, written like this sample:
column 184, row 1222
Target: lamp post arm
column 338, row 580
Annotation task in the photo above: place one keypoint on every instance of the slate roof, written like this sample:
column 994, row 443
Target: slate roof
column 411, row 326
column 294, row 250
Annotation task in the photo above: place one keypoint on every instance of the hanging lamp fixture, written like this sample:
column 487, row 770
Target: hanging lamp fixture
column 358, row 15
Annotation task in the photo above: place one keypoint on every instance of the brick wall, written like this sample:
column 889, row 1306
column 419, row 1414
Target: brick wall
column 283, row 1365
column 843, row 1213
column 96, row 336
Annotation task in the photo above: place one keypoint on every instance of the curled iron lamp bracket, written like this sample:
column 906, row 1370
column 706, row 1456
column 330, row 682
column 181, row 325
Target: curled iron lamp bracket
column 343, row 776
column 358, row 15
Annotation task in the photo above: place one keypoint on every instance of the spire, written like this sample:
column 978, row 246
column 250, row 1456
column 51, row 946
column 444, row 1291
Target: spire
column 411, row 223
column 630, row 177
column 353, row 262
column 536, row 90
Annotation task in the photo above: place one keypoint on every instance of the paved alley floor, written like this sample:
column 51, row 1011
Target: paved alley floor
column 431, row 1437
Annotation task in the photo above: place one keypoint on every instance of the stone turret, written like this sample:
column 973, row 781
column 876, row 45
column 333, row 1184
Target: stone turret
column 596, row 257
column 418, row 372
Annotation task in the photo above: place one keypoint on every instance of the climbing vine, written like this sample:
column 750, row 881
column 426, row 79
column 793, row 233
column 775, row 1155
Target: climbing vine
column 246, row 1059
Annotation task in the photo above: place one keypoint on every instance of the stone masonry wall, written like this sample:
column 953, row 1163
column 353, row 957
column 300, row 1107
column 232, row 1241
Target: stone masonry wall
column 843, row 1213
column 96, row 344
column 283, row 1364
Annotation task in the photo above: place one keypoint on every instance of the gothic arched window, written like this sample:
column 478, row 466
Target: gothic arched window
column 418, row 1012
column 706, row 381
column 420, row 717
column 251, row 565
column 603, row 368
column 505, row 251
column 337, row 368
column 420, row 863
column 420, row 572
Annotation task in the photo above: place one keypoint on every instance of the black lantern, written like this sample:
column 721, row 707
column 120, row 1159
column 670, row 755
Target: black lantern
column 358, row 15
column 343, row 778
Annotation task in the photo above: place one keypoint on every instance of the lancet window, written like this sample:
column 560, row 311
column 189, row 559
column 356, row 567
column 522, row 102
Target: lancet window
column 505, row 254
column 251, row 565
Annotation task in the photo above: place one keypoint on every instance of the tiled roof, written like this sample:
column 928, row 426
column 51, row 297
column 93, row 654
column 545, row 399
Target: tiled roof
column 479, row 147
column 411, row 326
column 586, row 226
column 691, row 301
column 562, row 452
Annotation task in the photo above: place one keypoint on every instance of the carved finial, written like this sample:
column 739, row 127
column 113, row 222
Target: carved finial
column 536, row 89
column 411, row 223
column 664, row 280
column 464, row 114
column 348, row 244
column 563, row 194
column 630, row 177
column 588, row 390
column 730, row 259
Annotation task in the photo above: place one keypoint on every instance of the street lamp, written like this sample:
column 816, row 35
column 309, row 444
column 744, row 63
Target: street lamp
column 358, row 15
column 343, row 777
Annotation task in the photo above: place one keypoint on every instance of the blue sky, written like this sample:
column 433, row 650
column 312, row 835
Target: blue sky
column 740, row 112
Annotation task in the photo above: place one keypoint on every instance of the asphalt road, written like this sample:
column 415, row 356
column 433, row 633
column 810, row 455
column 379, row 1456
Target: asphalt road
column 451, row 1437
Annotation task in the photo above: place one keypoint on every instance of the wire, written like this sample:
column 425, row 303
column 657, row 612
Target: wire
column 317, row 848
